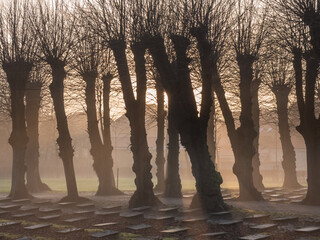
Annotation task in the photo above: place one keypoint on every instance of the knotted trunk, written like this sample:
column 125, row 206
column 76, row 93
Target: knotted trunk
column 33, row 99
column 192, row 129
column 160, row 160
column 136, row 114
column 281, row 93
column 257, row 177
column 173, row 182
column 211, row 134
column 64, row 140
column 102, row 158
column 17, row 77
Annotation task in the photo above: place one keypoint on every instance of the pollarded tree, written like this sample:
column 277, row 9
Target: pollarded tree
column 17, row 46
column 53, row 27
column 177, row 83
column 88, row 61
column 112, row 21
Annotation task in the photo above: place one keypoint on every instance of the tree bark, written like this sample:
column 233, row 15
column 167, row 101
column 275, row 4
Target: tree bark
column 144, row 195
column 281, row 93
column 211, row 133
column 64, row 140
column 160, row 160
column 33, row 100
column 17, row 77
column 192, row 129
column 173, row 182
column 102, row 156
column 257, row 177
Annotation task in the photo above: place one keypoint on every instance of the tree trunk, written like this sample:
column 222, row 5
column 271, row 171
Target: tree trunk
column 102, row 163
column 160, row 160
column 281, row 93
column 144, row 195
column 257, row 177
column 192, row 129
column 64, row 138
column 173, row 182
column 33, row 99
column 211, row 133
column 17, row 77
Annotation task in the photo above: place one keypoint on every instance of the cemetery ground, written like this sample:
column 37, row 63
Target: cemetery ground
column 43, row 217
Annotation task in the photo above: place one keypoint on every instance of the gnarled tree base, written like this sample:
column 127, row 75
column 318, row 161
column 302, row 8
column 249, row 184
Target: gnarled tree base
column 75, row 199
column 214, row 203
column 144, row 199
column 40, row 187
column 103, row 191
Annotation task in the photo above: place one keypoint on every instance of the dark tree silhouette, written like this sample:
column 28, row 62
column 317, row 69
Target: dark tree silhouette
column 17, row 48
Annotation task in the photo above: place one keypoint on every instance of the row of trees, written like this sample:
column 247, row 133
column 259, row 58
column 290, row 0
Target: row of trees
column 182, row 45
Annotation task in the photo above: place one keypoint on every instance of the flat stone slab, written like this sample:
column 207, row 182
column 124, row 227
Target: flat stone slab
column 86, row 205
column 5, row 200
column 213, row 234
column 26, row 238
column 186, row 211
column 50, row 217
column 112, row 208
column 41, row 202
column 175, row 230
column 104, row 213
column 84, row 212
column 103, row 234
column 196, row 219
column 257, row 216
column 6, row 224
column 228, row 222
column 141, row 209
column 285, row 219
column 308, row 229
column 50, row 210
column 22, row 215
column 229, row 198
column 38, row 226
column 69, row 230
column 276, row 195
column 219, row 214
column 106, row 224
column 169, row 209
column 22, row 201
column 264, row 226
column 4, row 212
column 158, row 218
column 188, row 196
column 77, row 219
column 10, row 207
column 255, row 237
column 269, row 191
column 66, row 204
column 29, row 208
column 131, row 214
column 296, row 197
column 279, row 200
column 139, row 227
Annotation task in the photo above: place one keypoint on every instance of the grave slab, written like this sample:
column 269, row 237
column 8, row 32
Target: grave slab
column 38, row 226
column 158, row 218
column 77, row 219
column 220, row 214
column 5, row 200
column 213, row 234
column 279, row 200
column 104, row 213
column 195, row 219
column 103, row 234
column 29, row 208
column 21, row 201
column 228, row 222
column 4, row 212
column 10, row 207
column 175, row 230
column 66, row 204
column 69, row 230
column 112, row 208
column 131, row 214
column 11, row 223
column 168, row 209
column 141, row 209
column 186, row 211
column 257, row 216
column 105, row 224
column 84, row 212
column 188, row 196
column 139, row 227
column 285, row 219
column 50, row 217
column 41, row 202
column 22, row 215
column 264, row 226
column 50, row 210
column 309, row 229
column 255, row 237
column 26, row 238
column 86, row 205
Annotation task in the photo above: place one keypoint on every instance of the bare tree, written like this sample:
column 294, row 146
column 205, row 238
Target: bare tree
column 17, row 48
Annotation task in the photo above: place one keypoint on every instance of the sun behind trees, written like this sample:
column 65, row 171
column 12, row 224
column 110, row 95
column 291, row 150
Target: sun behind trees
column 233, row 46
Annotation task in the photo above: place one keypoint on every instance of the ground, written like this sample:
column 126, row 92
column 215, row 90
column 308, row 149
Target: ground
column 308, row 216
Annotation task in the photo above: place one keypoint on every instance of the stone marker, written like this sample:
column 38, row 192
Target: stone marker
column 141, row 209
column 84, row 212
column 112, row 208
column 85, row 205
column 195, row 219
column 276, row 195
column 175, row 230
column 131, row 214
column 229, row 198
column 141, row 226
column 104, row 213
column 264, row 226
column 10, row 207
column 308, row 229
column 103, row 234
column 189, row 210
column 188, row 196
column 22, row 201
column 26, row 238
column 105, row 224
column 69, row 230
column 269, row 191
column 168, row 209
column 220, row 214
column 4, row 212
column 22, row 215
column 285, row 219
column 257, row 216
column 159, row 218
column 228, row 222
column 29, row 208
column 41, row 202
column 296, row 197
column 50, row 210
column 50, row 217
column 66, row 204
column 6, row 224
column 77, row 219
column 38, row 226
column 213, row 234
column 279, row 200
column 255, row 237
